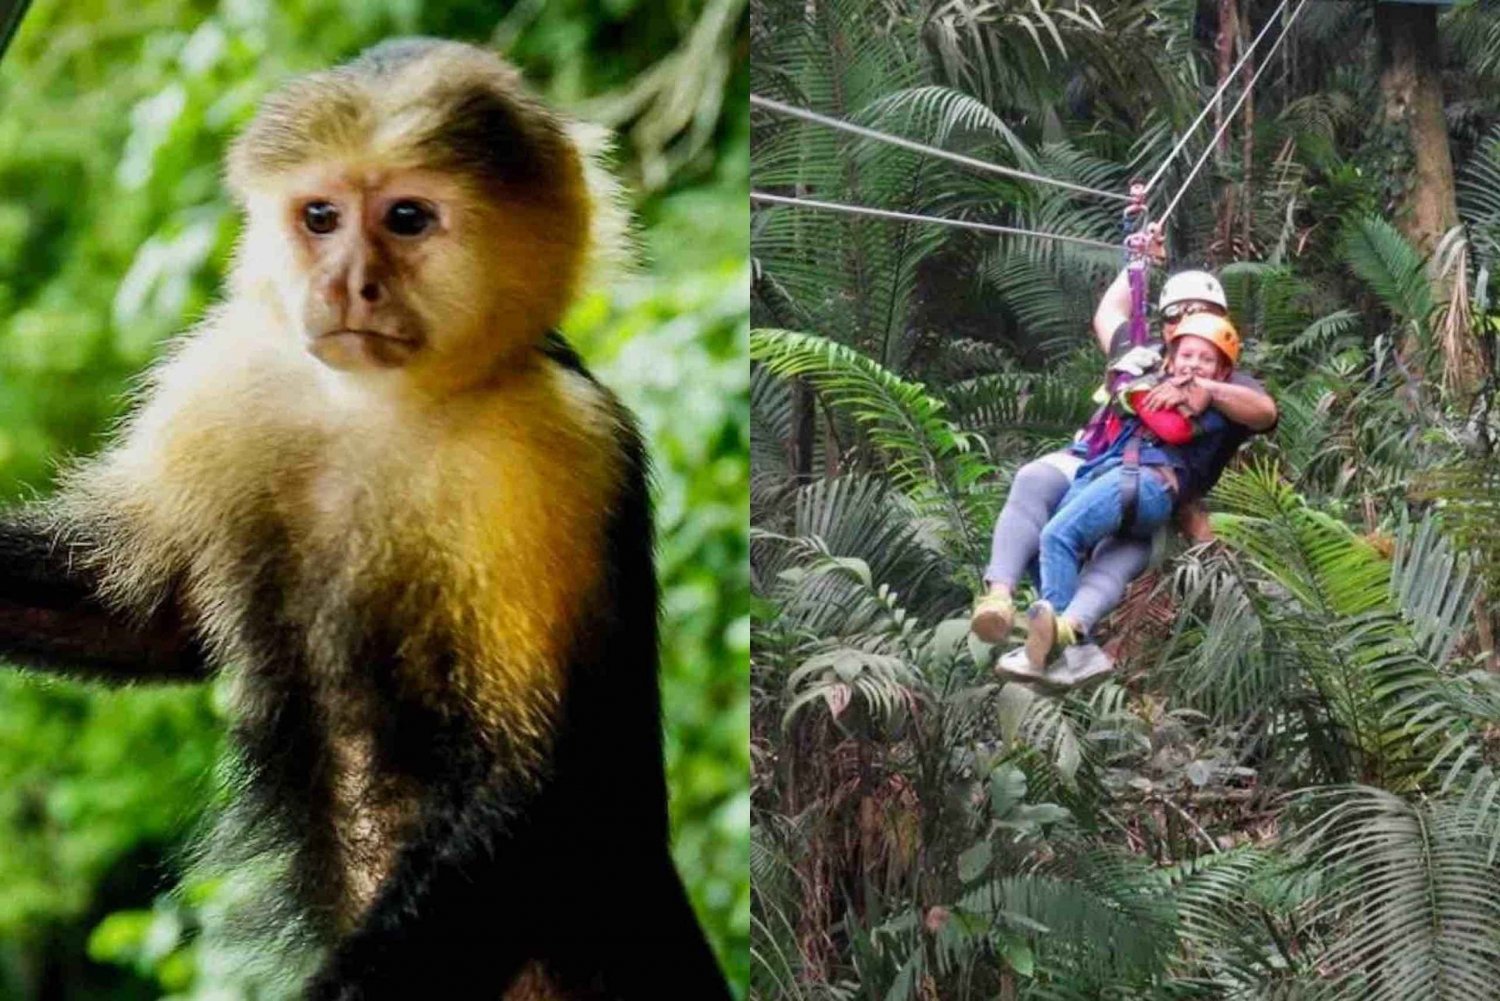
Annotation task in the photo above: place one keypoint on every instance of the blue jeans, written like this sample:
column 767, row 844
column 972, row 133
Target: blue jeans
column 1089, row 512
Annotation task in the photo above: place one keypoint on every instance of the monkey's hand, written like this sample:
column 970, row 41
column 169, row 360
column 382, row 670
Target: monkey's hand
column 52, row 618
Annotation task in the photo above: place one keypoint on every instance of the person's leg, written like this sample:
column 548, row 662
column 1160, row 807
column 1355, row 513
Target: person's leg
column 1084, row 519
column 1116, row 562
column 1090, row 512
column 1034, row 494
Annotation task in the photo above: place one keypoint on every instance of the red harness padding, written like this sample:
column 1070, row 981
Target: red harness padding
column 1167, row 425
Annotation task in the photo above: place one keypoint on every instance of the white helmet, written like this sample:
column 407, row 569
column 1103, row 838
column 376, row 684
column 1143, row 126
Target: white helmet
column 1199, row 286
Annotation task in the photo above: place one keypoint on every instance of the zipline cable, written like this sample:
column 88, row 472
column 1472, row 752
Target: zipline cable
column 757, row 196
column 959, row 158
column 1223, row 86
column 1249, row 89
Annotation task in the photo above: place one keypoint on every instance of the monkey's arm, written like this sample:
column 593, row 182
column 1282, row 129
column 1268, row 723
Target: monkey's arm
column 51, row 617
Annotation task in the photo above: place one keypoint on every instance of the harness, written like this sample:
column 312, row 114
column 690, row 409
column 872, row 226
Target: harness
column 1130, row 482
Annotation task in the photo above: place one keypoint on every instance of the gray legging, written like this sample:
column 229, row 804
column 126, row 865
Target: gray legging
column 1034, row 495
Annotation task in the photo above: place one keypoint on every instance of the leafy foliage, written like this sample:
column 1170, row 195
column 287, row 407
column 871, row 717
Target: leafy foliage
column 1287, row 788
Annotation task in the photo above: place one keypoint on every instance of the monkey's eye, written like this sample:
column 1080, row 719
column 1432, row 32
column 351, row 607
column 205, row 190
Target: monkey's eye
column 408, row 218
column 320, row 217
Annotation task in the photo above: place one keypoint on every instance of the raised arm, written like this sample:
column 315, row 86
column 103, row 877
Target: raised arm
column 1114, row 304
column 51, row 617
column 1113, row 309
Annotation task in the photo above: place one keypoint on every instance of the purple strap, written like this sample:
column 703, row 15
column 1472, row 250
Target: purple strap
column 1137, row 272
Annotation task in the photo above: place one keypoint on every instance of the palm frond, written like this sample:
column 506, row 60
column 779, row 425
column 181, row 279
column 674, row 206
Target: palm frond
column 1433, row 584
column 1411, row 898
column 938, row 114
column 1392, row 268
column 926, row 456
column 1046, row 407
column 1332, row 602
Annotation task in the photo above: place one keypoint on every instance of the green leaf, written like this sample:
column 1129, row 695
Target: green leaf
column 1018, row 955
column 1069, row 756
column 974, row 860
column 1007, row 788
column 1044, row 813
column 947, row 635
column 1015, row 701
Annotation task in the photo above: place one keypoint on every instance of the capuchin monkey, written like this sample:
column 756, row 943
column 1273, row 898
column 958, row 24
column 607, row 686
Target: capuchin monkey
column 377, row 490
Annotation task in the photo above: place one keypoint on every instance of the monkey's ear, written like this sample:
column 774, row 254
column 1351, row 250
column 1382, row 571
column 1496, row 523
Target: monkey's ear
column 611, row 252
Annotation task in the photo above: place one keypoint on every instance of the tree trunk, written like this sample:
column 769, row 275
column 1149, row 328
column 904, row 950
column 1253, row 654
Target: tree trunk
column 1412, row 93
column 1484, row 626
column 1229, row 26
column 833, row 449
column 804, row 424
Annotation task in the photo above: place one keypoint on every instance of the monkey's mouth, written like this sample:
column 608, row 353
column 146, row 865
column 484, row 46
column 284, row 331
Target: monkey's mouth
column 355, row 349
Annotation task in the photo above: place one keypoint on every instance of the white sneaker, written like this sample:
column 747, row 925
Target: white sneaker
column 1080, row 663
column 1016, row 666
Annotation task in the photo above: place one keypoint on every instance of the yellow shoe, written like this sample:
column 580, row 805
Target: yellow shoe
column 992, row 617
column 1046, row 633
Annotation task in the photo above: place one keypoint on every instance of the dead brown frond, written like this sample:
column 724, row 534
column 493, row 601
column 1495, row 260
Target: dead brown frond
column 1454, row 320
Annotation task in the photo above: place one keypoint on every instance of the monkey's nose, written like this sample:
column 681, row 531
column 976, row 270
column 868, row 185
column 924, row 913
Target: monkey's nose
column 369, row 292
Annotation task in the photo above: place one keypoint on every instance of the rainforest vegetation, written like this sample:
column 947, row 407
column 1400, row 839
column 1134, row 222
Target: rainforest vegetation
column 1286, row 788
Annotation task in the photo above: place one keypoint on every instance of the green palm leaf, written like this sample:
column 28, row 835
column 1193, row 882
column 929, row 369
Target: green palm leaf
column 1392, row 268
column 1328, row 597
column 926, row 456
column 1412, row 898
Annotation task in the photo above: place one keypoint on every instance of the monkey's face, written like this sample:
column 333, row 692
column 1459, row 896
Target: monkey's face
column 413, row 269
column 413, row 212
column 365, row 245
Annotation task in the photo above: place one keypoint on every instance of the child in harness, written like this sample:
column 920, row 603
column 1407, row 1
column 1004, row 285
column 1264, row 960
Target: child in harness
column 1142, row 460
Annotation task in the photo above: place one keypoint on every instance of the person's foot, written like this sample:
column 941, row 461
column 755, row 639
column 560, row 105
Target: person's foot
column 1046, row 632
column 1016, row 666
column 1078, row 665
column 992, row 617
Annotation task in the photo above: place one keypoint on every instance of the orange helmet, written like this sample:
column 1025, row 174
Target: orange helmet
column 1216, row 330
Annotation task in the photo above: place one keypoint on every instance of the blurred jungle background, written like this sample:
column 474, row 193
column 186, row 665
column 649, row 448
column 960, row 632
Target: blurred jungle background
column 114, row 232
column 1286, row 789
